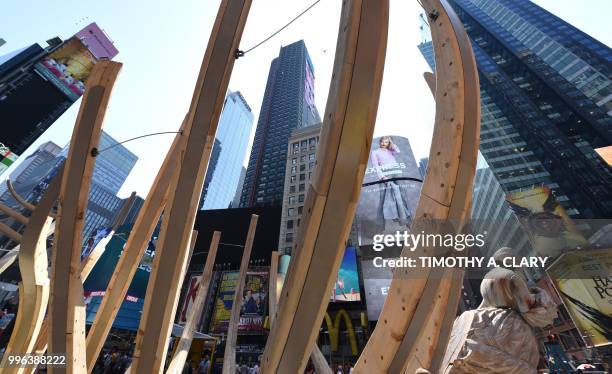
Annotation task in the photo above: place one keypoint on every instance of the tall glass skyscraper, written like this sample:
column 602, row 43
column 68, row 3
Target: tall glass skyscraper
column 225, row 166
column 288, row 104
column 546, row 96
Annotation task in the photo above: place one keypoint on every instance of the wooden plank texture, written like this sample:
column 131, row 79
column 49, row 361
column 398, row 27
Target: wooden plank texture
column 333, row 191
column 185, row 189
column 446, row 194
column 229, row 358
column 184, row 344
column 66, row 307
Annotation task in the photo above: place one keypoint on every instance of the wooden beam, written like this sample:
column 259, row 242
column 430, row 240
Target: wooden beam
column 8, row 231
column 334, row 190
column 229, row 358
column 17, row 197
column 184, row 344
column 272, row 293
column 131, row 255
column 185, row 190
column 446, row 195
column 13, row 214
column 34, row 285
column 9, row 258
column 66, row 307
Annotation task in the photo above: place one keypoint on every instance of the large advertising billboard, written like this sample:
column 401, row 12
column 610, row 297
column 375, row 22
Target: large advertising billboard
column 6, row 158
column 390, row 191
column 189, row 299
column 346, row 287
column 376, row 283
column 68, row 67
column 254, row 302
column 585, row 286
column 548, row 226
column 95, row 285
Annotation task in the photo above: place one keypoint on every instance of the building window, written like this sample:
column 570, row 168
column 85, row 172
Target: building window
column 292, row 180
column 303, row 159
column 304, row 143
column 289, row 237
column 302, row 167
column 292, row 189
column 302, row 177
column 300, row 209
column 291, row 199
column 290, row 224
column 291, row 212
column 293, row 161
column 301, row 199
column 293, row 170
column 302, row 187
column 311, row 157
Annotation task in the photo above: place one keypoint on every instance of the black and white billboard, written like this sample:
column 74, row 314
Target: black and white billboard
column 390, row 191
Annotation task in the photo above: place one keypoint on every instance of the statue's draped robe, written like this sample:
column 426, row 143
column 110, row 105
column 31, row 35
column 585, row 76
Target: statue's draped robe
column 497, row 337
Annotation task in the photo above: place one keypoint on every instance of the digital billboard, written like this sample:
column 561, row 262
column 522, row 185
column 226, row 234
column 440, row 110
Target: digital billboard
column 190, row 295
column 254, row 302
column 346, row 287
column 585, row 286
column 6, row 158
column 376, row 283
column 68, row 67
column 95, row 285
column 390, row 191
column 548, row 226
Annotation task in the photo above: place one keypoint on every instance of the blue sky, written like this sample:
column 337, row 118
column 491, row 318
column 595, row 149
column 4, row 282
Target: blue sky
column 161, row 44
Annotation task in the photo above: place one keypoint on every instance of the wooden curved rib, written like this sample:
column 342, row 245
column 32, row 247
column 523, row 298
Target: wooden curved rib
column 18, row 197
column 8, row 231
column 334, row 190
column 13, row 214
column 66, row 306
column 418, row 313
column 184, row 191
column 34, row 285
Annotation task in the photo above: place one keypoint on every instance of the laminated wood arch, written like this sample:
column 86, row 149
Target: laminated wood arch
column 333, row 192
column 418, row 313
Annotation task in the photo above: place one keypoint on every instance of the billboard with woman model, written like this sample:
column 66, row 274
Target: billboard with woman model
column 390, row 190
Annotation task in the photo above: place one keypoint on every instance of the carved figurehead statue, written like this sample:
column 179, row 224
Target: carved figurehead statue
column 497, row 337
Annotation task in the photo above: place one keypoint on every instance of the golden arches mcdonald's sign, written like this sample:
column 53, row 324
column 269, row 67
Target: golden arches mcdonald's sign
column 334, row 330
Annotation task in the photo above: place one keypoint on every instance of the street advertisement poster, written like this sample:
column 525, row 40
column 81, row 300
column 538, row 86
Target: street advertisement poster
column 6, row 158
column 346, row 287
column 390, row 191
column 192, row 290
column 68, row 67
column 376, row 283
column 550, row 230
column 254, row 302
column 584, row 283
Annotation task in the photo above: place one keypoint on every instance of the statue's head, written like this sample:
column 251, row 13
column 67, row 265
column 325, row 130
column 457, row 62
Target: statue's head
column 502, row 253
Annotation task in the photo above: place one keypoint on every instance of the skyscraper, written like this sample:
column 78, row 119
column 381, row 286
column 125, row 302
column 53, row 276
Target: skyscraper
column 546, row 98
column 225, row 166
column 301, row 158
column 37, row 85
column 288, row 104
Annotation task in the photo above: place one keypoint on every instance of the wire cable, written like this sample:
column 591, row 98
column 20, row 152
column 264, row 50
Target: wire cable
column 95, row 151
column 240, row 53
